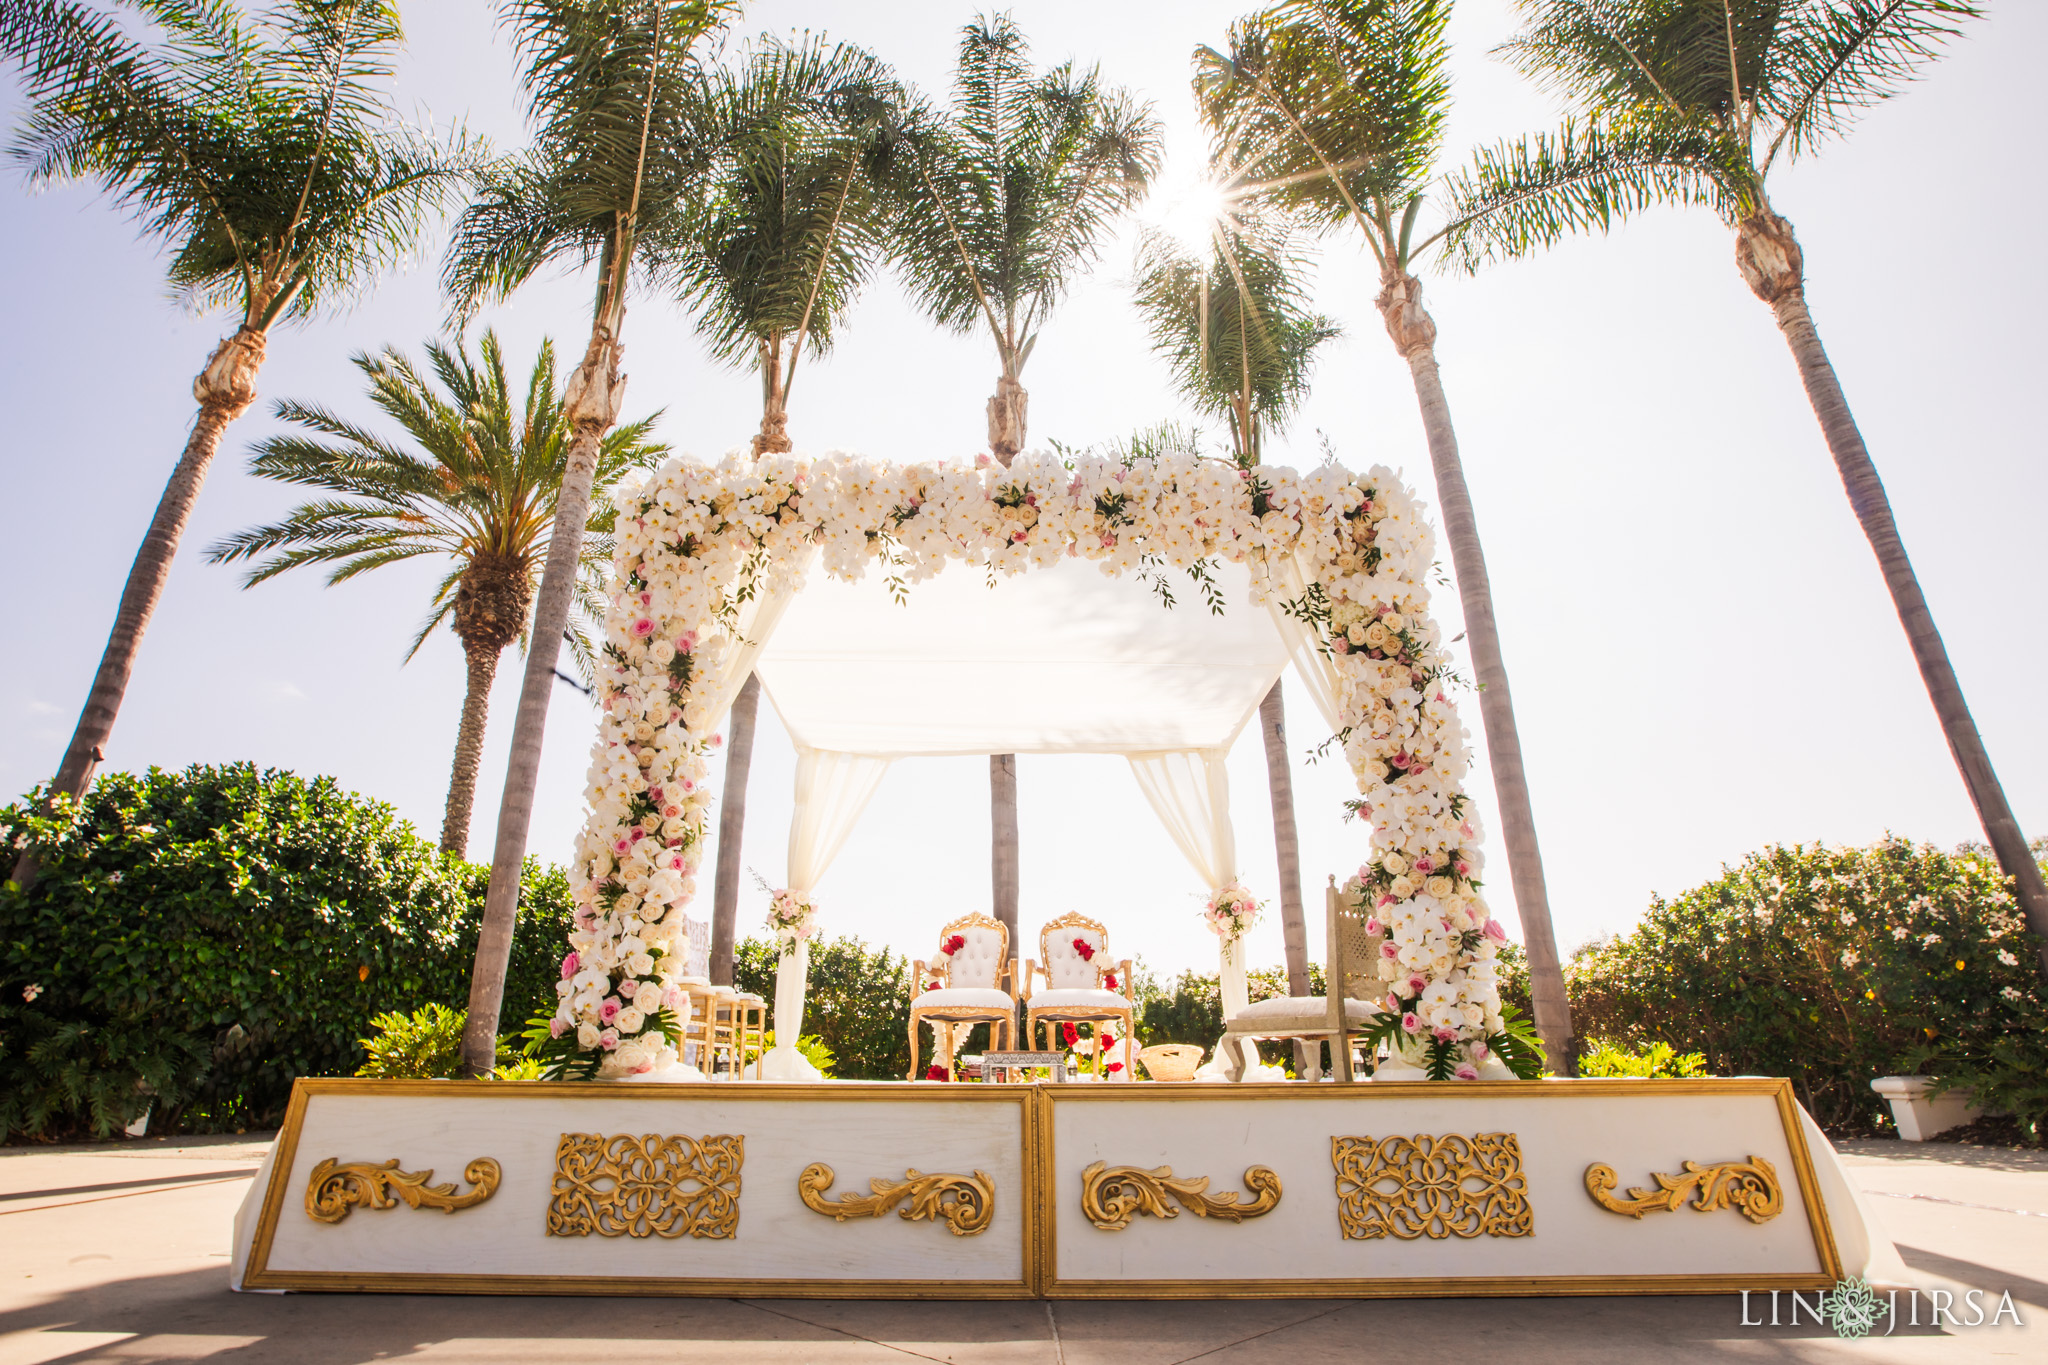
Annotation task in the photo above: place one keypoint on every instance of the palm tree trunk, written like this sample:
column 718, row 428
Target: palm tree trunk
column 1002, row 806
column 1006, row 419
column 1414, row 334
column 224, row 391
column 1286, row 842
column 591, row 403
column 1770, row 260
column 732, row 824
column 469, row 748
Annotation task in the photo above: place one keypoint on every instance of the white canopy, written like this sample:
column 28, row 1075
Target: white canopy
column 1056, row 660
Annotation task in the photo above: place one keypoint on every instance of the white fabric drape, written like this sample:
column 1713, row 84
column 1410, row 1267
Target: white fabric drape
column 1190, row 791
column 1317, row 670
column 758, row 619
column 832, row 789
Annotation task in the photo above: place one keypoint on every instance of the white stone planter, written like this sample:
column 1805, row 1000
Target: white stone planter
column 1919, row 1115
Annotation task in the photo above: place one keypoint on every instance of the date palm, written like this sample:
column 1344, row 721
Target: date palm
column 1005, row 198
column 260, row 147
column 1696, row 102
column 615, row 164
column 1336, row 109
column 1234, row 327
column 473, row 484
column 790, row 231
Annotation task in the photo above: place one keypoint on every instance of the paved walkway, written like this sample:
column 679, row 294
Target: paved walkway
column 120, row 1255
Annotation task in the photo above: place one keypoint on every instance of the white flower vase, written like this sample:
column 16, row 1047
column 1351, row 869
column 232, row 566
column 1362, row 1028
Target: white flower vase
column 783, row 1062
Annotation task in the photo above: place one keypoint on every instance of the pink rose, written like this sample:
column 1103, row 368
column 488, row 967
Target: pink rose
column 557, row 1026
column 1373, row 926
column 638, row 834
column 1464, row 869
column 1480, row 1052
column 716, row 741
column 1467, row 1072
column 1393, row 1003
column 609, row 1010
column 1389, row 949
column 654, row 795
column 1425, row 864
column 1445, row 1035
column 1495, row 932
column 1410, row 1022
column 643, row 627
column 643, row 1068
column 609, row 1040
column 1415, row 985
column 569, row 964
column 1342, row 645
column 981, row 462
column 622, row 845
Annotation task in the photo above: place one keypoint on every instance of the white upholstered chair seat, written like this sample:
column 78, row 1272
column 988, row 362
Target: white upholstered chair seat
column 966, row 997
column 1079, row 997
column 1289, row 1011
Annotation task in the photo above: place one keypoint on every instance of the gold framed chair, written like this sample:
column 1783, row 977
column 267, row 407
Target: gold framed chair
column 976, row 984
column 1353, row 989
column 1076, row 991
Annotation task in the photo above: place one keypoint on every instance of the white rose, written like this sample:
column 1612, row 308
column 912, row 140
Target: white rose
column 1394, row 863
column 1393, row 620
column 629, row 1019
column 641, row 964
column 1474, row 1016
column 586, row 1035
column 1438, row 886
column 1402, row 889
column 647, row 998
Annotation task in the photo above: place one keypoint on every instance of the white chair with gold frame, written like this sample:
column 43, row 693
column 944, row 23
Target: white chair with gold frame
column 1077, row 989
column 974, row 984
column 1352, row 988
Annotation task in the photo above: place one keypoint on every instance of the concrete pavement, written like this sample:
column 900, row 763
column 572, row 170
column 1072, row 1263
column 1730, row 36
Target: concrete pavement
column 119, row 1254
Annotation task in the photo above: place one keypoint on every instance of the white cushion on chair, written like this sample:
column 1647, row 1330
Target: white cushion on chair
column 979, row 963
column 1284, row 1012
column 1080, row 998
column 977, row 997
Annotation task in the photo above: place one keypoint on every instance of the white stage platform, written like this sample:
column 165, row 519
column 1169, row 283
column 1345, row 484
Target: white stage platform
column 1080, row 1191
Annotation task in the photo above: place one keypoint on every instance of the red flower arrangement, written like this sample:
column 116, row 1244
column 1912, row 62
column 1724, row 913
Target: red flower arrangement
column 937, row 1073
column 1114, row 1067
column 931, row 985
column 953, row 944
column 1070, row 1033
column 1085, row 949
column 1109, row 981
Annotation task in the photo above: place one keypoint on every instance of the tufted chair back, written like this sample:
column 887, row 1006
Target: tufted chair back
column 1065, row 967
column 697, row 948
column 981, row 959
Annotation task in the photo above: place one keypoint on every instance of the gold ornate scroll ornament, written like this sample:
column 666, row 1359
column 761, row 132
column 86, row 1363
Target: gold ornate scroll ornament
column 336, row 1188
column 627, row 1186
column 1750, row 1186
column 1111, row 1195
column 965, row 1203
column 1435, row 1187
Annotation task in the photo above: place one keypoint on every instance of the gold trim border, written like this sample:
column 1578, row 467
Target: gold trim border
column 1039, row 1226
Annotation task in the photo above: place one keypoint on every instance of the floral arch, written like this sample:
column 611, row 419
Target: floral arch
column 709, row 556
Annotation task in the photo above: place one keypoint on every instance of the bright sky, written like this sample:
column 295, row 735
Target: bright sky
column 1703, row 655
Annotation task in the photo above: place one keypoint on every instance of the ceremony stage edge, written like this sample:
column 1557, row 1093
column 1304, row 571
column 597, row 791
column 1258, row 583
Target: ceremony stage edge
column 1056, row 1191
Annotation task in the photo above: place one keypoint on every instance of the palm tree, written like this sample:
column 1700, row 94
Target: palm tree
column 264, row 152
column 1694, row 102
column 480, row 492
column 789, row 235
column 1238, row 337
column 1336, row 108
column 1003, row 201
column 612, row 173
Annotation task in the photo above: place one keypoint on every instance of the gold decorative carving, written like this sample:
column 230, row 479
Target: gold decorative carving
column 1110, row 1195
column 965, row 1203
column 336, row 1188
column 1435, row 1187
column 1750, row 1186
column 627, row 1186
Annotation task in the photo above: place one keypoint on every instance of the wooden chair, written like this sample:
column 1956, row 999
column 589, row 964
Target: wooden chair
column 1075, row 991
column 1352, row 986
column 976, row 984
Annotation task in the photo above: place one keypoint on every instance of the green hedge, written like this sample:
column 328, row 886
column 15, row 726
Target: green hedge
column 1833, row 966
column 857, row 1002
column 204, row 937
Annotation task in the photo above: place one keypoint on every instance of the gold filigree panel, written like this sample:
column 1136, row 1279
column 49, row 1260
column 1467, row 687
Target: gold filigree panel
column 964, row 1203
column 1111, row 1195
column 336, row 1188
column 647, row 1186
column 1435, row 1187
column 1750, row 1186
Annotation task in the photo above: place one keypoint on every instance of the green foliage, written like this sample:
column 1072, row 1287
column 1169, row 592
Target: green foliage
column 1831, row 966
column 1602, row 1058
column 214, row 933
column 473, row 486
column 857, row 1003
column 425, row 1044
column 813, row 1050
column 265, row 154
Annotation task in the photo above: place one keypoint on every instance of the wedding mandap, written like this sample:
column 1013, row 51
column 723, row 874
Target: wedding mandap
column 898, row 611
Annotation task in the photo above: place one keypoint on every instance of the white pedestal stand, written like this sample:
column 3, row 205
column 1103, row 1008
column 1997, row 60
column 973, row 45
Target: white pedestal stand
column 783, row 1062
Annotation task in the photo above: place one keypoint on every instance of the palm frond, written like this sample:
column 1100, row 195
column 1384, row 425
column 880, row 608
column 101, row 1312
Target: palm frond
column 1836, row 60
